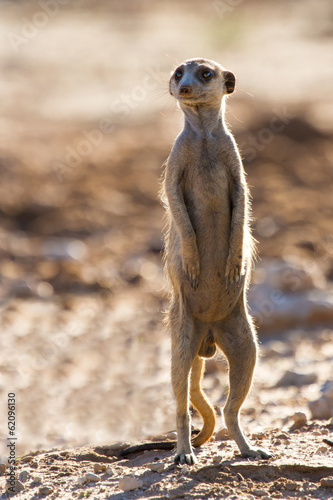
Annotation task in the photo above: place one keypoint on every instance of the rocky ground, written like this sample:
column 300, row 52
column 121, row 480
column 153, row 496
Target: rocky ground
column 301, row 468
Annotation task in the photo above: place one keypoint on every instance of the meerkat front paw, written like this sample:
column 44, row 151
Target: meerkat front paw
column 234, row 270
column 185, row 458
column 191, row 265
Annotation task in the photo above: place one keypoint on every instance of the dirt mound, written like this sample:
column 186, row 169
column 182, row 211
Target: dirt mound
column 302, row 468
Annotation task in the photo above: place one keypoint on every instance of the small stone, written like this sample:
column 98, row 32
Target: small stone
column 90, row 477
column 45, row 490
column 217, row 459
column 321, row 409
column 99, row 468
column 299, row 419
column 23, row 476
column 37, row 479
column 3, row 468
column 283, row 436
column 327, row 482
column 171, row 435
column 109, row 471
column 321, row 449
column 290, row 378
column 18, row 486
column 156, row 467
column 26, row 459
column 259, row 493
column 129, row 483
column 222, row 435
column 291, row 486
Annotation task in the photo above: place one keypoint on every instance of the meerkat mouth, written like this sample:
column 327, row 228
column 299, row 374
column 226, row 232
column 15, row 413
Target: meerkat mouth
column 191, row 99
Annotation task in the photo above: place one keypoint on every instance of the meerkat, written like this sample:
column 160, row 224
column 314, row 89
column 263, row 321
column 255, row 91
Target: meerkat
column 208, row 255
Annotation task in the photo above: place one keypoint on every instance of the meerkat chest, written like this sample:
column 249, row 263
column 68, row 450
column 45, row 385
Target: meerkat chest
column 207, row 180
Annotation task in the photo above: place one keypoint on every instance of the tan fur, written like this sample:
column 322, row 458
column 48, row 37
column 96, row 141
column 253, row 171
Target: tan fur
column 208, row 254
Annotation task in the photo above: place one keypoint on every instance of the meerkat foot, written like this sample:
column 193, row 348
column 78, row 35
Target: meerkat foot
column 257, row 453
column 185, row 458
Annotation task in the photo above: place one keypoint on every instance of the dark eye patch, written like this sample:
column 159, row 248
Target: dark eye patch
column 206, row 74
column 178, row 74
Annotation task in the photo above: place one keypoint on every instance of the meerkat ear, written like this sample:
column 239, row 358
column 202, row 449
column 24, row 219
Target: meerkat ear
column 229, row 81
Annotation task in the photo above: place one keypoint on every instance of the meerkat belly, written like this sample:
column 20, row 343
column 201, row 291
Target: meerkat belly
column 209, row 209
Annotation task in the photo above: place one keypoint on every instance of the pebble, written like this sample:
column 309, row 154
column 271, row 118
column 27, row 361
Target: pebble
column 259, row 493
column 109, row 471
column 2, row 468
column 171, row 435
column 156, row 467
column 18, row 486
column 299, row 419
column 327, row 482
column 26, row 459
column 129, row 483
column 91, row 477
column 321, row 409
column 217, row 459
column 283, row 436
column 37, row 479
column 23, row 476
column 290, row 378
column 222, row 435
column 321, row 449
column 99, row 468
column 291, row 486
column 45, row 490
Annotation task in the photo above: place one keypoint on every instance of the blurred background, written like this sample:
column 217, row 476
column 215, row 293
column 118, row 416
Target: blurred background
column 86, row 123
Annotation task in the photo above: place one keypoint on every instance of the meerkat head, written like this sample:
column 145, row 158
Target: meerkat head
column 201, row 82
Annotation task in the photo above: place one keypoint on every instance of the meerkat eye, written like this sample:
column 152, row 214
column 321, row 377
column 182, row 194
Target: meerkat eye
column 206, row 74
column 178, row 74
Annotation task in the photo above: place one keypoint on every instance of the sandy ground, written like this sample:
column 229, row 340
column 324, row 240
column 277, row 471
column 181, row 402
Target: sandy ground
column 86, row 124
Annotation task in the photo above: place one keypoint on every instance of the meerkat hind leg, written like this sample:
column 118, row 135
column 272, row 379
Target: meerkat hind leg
column 238, row 342
column 185, row 345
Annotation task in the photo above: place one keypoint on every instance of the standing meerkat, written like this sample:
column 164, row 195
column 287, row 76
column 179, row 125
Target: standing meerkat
column 208, row 255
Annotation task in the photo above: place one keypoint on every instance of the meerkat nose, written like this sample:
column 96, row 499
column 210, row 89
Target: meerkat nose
column 185, row 89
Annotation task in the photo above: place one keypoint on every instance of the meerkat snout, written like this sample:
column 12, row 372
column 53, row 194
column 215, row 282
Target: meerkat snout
column 185, row 89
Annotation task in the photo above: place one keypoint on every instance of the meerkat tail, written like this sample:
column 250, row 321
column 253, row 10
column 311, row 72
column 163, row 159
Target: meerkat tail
column 201, row 403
